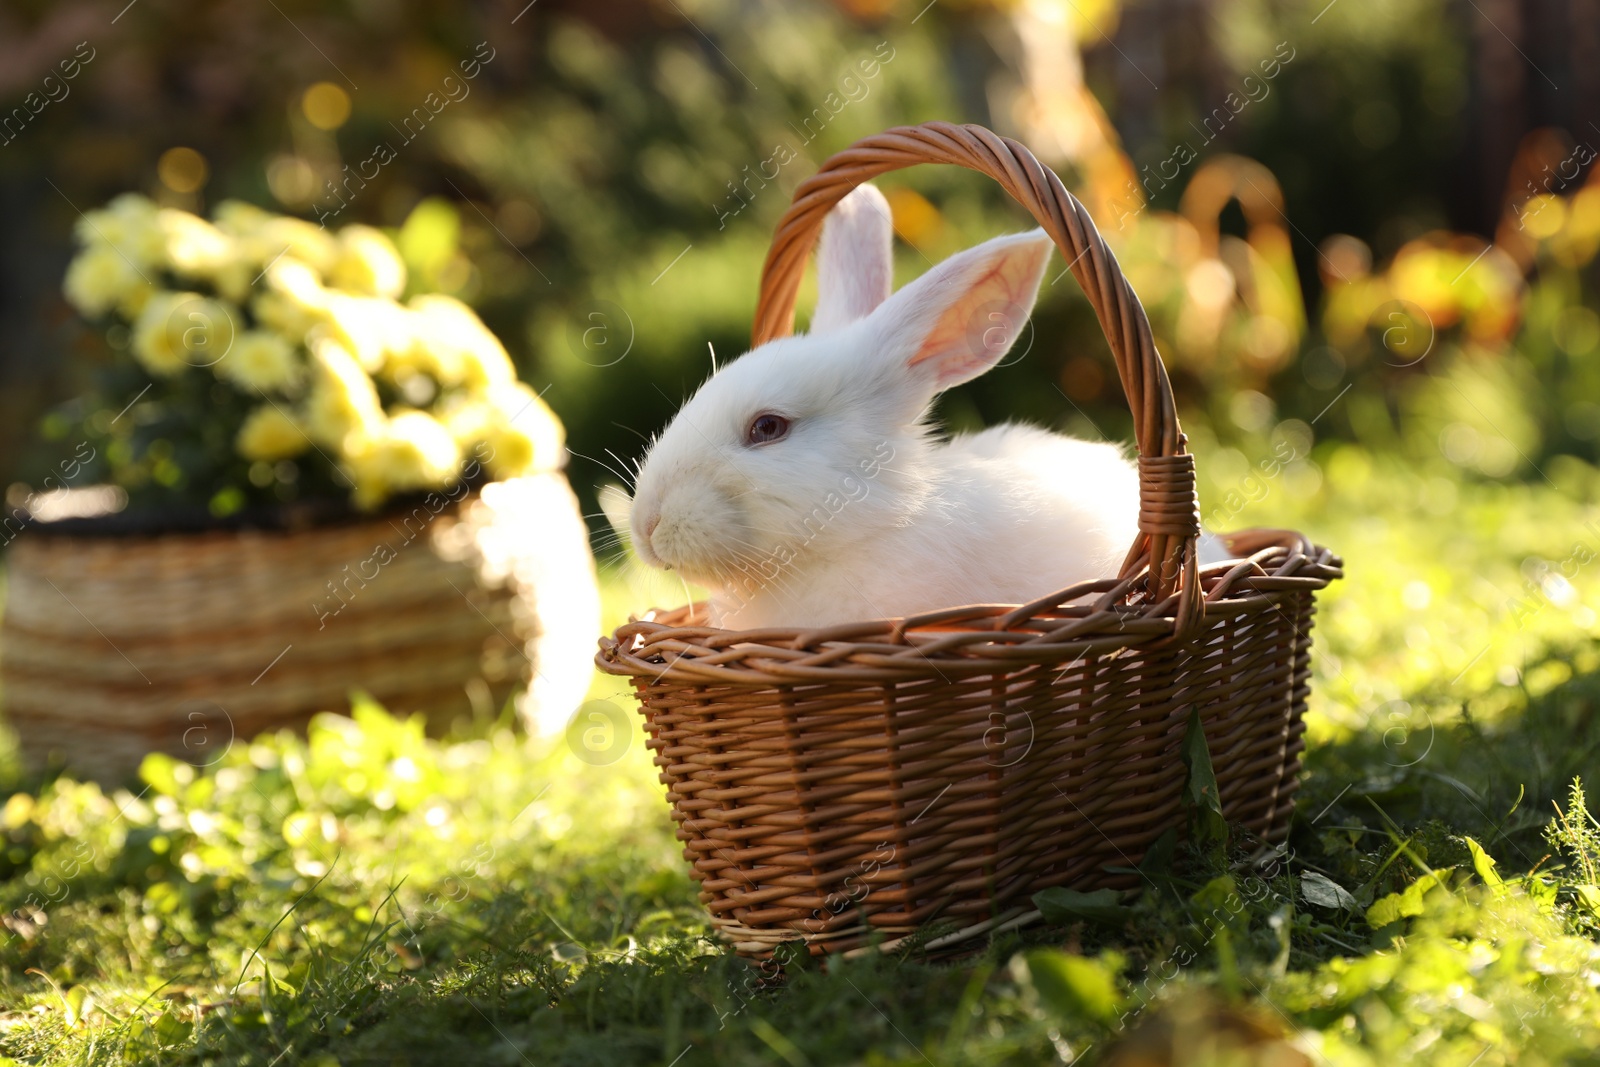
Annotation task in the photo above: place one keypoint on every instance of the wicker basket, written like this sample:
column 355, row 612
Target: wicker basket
column 860, row 783
column 114, row 646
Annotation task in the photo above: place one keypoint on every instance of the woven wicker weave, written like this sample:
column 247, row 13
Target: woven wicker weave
column 862, row 782
column 116, row 646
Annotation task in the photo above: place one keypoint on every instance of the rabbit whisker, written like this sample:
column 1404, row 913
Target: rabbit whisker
column 633, row 480
column 602, row 463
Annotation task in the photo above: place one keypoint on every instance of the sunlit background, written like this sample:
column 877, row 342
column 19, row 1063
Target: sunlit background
column 1365, row 233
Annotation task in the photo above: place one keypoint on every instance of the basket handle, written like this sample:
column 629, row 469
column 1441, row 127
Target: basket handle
column 1169, row 511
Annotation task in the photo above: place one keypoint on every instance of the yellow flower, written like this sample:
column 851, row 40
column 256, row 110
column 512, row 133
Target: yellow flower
column 152, row 340
column 454, row 345
column 129, row 224
column 102, row 278
column 234, row 278
column 194, row 248
column 368, row 263
column 134, row 300
column 261, row 238
column 371, row 327
column 260, row 361
column 342, row 410
column 281, row 315
column 510, row 451
column 517, row 400
column 468, row 418
column 295, row 300
column 525, row 436
column 411, row 451
column 240, row 219
column 270, row 433
column 424, row 448
column 436, row 347
column 264, row 238
column 179, row 330
column 299, row 283
column 488, row 366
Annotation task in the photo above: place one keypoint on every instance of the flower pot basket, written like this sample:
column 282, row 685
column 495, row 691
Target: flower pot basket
column 115, row 644
column 864, row 783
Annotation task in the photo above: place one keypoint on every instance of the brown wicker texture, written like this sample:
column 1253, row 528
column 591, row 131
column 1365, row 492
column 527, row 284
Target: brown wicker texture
column 864, row 783
column 116, row 646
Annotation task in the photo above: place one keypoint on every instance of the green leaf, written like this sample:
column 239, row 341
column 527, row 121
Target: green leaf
column 277, row 983
column 77, row 1001
column 1324, row 892
column 1157, row 860
column 1068, row 985
column 1200, row 791
column 429, row 236
column 1403, row 905
column 160, row 772
column 777, row 1042
column 1219, row 902
column 1541, row 892
column 1063, row 906
column 1589, row 897
column 170, row 1029
column 1484, row 864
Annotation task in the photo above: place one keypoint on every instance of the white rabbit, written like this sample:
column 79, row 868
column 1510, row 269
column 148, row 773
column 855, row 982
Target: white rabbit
column 803, row 487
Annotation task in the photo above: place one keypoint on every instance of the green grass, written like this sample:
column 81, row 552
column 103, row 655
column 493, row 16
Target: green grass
column 368, row 895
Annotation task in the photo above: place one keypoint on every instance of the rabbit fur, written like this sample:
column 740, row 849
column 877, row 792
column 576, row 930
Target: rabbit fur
column 803, row 485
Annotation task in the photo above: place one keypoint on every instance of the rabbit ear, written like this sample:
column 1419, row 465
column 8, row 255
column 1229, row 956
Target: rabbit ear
column 855, row 267
column 960, row 318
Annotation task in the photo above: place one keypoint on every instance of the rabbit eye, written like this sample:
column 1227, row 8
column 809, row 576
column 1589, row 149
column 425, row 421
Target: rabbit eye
column 766, row 427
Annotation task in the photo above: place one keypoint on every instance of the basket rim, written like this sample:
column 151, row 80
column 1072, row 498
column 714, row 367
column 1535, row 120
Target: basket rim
column 1100, row 617
column 307, row 515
